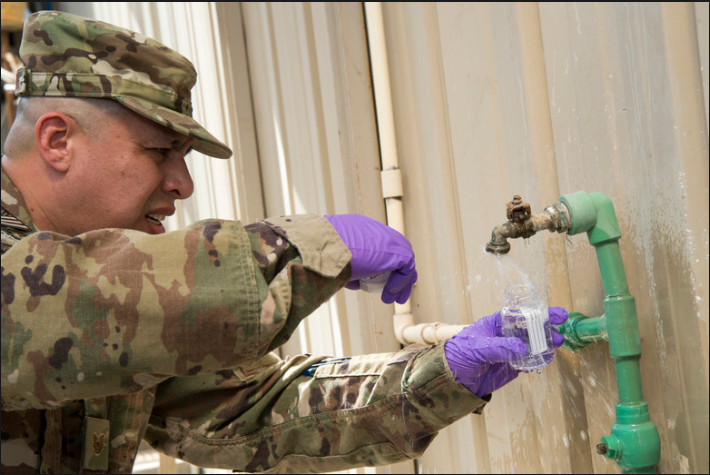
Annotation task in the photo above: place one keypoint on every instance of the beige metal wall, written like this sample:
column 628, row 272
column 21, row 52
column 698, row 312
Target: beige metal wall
column 541, row 101
column 490, row 100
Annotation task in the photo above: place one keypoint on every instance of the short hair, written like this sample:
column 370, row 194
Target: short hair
column 92, row 115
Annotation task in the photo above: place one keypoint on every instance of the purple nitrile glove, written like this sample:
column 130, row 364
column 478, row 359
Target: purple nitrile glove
column 478, row 355
column 377, row 248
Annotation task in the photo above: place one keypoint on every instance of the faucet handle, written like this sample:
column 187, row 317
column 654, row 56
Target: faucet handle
column 517, row 210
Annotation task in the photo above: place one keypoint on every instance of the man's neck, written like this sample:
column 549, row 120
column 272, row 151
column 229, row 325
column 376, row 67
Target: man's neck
column 18, row 197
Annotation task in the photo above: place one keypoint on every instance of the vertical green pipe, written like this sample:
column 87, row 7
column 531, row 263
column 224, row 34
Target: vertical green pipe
column 634, row 442
column 628, row 370
column 612, row 269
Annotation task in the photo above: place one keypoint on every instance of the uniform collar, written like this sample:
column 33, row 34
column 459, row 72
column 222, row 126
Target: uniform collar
column 14, row 210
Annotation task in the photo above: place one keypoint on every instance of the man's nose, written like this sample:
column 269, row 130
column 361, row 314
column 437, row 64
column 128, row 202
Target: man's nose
column 177, row 179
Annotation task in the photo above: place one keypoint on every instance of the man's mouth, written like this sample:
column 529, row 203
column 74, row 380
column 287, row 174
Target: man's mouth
column 155, row 218
column 154, row 223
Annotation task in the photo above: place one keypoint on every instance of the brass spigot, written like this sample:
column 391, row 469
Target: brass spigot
column 521, row 223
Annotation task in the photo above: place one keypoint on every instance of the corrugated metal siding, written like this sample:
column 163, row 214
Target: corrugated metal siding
column 490, row 100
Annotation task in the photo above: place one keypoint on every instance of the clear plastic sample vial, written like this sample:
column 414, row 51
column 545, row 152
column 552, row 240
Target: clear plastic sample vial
column 525, row 316
column 375, row 283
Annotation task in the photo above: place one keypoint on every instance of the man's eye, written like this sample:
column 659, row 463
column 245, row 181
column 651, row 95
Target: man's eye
column 162, row 151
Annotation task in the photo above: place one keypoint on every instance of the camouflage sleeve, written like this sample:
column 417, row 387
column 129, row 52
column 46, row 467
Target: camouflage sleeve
column 359, row 411
column 303, row 263
column 113, row 311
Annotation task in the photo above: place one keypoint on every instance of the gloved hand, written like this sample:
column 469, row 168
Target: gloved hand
column 478, row 355
column 377, row 248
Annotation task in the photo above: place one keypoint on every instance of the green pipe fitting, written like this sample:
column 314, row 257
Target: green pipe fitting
column 634, row 442
column 633, row 425
column 593, row 213
column 580, row 330
column 624, row 339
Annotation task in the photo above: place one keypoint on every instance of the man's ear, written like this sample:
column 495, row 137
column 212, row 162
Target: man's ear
column 54, row 133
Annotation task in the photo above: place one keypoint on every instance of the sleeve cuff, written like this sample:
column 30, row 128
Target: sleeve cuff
column 430, row 380
column 317, row 242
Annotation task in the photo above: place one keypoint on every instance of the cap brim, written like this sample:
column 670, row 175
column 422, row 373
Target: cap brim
column 204, row 141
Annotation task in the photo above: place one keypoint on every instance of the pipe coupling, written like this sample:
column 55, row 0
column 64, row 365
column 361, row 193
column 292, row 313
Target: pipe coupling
column 559, row 216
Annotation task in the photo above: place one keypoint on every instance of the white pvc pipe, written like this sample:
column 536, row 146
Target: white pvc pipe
column 405, row 330
column 381, row 84
column 429, row 333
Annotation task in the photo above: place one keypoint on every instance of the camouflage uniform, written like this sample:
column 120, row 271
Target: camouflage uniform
column 115, row 336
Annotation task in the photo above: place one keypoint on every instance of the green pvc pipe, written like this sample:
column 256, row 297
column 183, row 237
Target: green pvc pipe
column 591, row 329
column 612, row 269
column 634, row 442
column 628, row 370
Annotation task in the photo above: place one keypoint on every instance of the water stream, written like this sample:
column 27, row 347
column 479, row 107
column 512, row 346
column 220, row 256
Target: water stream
column 509, row 271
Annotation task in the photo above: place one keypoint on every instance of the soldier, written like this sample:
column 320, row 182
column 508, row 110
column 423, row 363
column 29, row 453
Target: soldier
column 114, row 331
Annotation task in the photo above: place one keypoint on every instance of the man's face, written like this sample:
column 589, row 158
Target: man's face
column 129, row 179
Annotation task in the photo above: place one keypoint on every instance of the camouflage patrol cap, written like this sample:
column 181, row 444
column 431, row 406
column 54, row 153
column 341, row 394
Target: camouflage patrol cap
column 67, row 55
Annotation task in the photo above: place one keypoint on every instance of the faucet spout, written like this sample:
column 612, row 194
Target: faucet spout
column 499, row 238
column 521, row 223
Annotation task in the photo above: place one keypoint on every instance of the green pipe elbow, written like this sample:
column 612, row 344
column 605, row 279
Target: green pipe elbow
column 592, row 213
